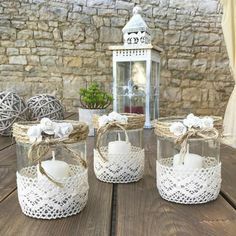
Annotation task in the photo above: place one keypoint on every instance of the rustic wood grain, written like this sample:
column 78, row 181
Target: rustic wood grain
column 141, row 211
column 6, row 142
column 7, row 171
column 228, row 159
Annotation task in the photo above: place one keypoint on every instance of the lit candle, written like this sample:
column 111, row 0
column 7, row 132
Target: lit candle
column 189, row 162
column 119, row 147
column 55, row 169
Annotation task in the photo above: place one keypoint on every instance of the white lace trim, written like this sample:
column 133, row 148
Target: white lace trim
column 119, row 168
column 42, row 199
column 189, row 187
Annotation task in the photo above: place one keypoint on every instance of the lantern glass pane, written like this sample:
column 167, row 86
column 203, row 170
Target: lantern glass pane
column 154, row 85
column 130, row 86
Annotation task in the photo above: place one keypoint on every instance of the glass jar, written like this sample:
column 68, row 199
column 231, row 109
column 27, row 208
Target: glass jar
column 119, row 153
column 189, row 177
column 52, row 176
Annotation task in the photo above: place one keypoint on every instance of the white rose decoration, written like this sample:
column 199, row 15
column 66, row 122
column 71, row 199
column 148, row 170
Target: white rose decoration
column 47, row 126
column 103, row 120
column 63, row 130
column 192, row 121
column 207, row 123
column 34, row 133
column 178, row 128
column 114, row 116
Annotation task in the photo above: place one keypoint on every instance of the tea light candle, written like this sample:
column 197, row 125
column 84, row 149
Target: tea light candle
column 119, row 147
column 55, row 169
column 190, row 161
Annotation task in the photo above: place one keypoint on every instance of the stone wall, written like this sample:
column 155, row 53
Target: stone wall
column 58, row 46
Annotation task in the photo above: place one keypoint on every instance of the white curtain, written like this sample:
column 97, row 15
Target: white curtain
column 229, row 30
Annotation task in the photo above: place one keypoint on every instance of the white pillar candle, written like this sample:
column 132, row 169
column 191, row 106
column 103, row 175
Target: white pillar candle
column 57, row 170
column 119, row 147
column 190, row 161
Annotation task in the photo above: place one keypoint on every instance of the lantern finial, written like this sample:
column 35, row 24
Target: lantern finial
column 137, row 10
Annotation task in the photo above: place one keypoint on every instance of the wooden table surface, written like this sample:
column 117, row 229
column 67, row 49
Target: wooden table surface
column 134, row 209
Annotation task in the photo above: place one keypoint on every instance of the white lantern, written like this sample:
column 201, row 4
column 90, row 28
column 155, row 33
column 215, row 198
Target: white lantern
column 136, row 71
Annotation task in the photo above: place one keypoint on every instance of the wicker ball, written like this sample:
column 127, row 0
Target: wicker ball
column 12, row 109
column 44, row 105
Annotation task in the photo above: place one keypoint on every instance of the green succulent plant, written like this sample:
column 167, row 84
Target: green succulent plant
column 94, row 98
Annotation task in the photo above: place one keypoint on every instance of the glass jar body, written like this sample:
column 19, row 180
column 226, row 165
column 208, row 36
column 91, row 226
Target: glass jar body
column 192, row 178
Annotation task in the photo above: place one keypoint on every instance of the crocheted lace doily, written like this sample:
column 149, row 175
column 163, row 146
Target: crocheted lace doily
column 44, row 200
column 186, row 186
column 119, row 168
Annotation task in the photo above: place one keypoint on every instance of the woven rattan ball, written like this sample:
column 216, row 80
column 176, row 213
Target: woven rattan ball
column 44, row 105
column 12, row 109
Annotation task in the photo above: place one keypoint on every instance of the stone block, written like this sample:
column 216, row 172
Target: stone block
column 110, row 35
column 43, row 26
column 200, row 65
column 179, row 64
column 7, row 33
column 98, row 21
column 72, row 85
column 18, row 60
column 124, row 5
column 207, row 39
column 12, row 51
column 25, row 51
column 191, row 94
column 172, row 94
column 48, row 60
column 73, row 32
column 186, row 38
column 25, row 34
column 99, row 3
column 171, row 37
column 42, row 35
column 53, row 13
column 72, row 61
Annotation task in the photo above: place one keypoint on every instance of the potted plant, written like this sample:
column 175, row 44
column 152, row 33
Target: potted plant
column 93, row 101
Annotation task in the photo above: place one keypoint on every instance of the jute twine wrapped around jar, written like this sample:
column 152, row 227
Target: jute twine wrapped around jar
column 79, row 133
column 162, row 125
column 162, row 129
column 39, row 149
column 135, row 121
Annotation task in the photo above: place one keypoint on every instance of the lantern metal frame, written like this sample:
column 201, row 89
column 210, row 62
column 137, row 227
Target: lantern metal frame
column 146, row 53
column 138, row 48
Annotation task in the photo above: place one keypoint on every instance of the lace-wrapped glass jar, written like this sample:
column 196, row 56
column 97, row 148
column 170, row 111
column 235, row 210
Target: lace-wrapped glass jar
column 119, row 153
column 188, row 166
column 52, row 176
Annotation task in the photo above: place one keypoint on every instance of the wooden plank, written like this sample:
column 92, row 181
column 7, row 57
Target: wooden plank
column 7, row 171
column 228, row 159
column 6, row 142
column 95, row 219
column 141, row 211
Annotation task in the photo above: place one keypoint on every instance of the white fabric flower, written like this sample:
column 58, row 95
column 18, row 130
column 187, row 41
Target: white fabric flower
column 178, row 128
column 114, row 116
column 34, row 133
column 47, row 126
column 192, row 121
column 207, row 123
column 103, row 120
column 63, row 130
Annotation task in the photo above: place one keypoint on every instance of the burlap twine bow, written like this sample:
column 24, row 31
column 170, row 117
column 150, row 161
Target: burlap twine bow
column 208, row 133
column 103, row 129
column 40, row 148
